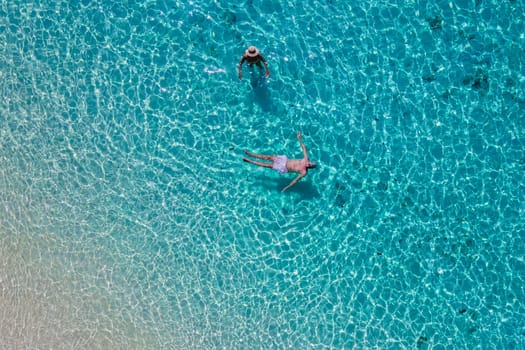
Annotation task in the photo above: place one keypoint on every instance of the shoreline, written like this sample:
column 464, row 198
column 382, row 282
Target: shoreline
column 44, row 305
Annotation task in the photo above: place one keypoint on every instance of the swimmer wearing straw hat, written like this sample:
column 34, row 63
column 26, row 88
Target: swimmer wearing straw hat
column 252, row 56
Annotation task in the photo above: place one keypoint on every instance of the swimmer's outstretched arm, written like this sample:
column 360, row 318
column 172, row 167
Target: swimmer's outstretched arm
column 294, row 181
column 300, row 138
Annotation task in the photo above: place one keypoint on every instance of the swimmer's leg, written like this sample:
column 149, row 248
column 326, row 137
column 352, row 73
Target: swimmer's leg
column 260, row 156
column 266, row 165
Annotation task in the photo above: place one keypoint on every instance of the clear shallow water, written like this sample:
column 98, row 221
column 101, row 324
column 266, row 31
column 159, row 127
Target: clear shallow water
column 129, row 220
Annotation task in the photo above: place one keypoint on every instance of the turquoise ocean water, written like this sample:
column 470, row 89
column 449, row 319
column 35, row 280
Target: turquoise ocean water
column 129, row 221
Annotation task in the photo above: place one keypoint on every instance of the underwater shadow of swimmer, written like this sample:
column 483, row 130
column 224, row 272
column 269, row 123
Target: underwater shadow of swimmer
column 261, row 93
column 305, row 189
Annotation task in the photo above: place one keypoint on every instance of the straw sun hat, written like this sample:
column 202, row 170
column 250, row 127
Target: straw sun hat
column 252, row 51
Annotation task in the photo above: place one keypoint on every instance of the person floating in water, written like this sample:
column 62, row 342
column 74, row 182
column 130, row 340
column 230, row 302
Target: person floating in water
column 253, row 56
column 283, row 165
